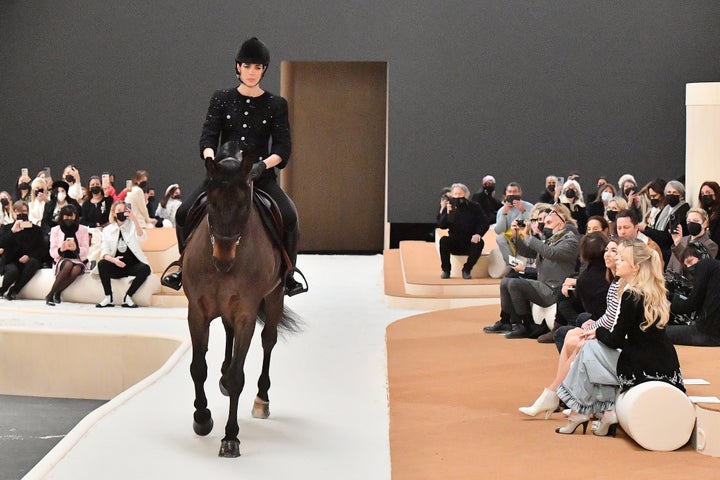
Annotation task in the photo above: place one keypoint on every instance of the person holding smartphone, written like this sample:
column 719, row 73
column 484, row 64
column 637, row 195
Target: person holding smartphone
column 22, row 249
column 69, row 245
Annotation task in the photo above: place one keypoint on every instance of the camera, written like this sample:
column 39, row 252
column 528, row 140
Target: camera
column 521, row 223
column 455, row 202
column 511, row 198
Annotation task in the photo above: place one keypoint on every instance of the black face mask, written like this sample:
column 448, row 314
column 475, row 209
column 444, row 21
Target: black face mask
column 694, row 228
column 547, row 232
column 551, row 187
column 23, row 217
column 69, row 179
column 654, row 202
column 490, row 189
column 24, row 186
column 121, row 216
column 707, row 200
column 142, row 184
column 570, row 193
column 611, row 215
column 68, row 222
column 672, row 199
column 541, row 226
column 4, row 202
column 96, row 190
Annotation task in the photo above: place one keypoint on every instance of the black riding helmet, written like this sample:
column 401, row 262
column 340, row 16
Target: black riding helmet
column 253, row 51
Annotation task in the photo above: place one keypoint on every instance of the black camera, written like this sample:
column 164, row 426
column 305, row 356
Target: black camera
column 521, row 223
column 455, row 202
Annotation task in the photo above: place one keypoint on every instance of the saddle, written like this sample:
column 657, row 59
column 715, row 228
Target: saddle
column 269, row 214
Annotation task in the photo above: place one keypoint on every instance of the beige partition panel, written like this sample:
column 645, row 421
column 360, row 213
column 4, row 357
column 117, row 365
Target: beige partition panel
column 336, row 174
column 702, row 151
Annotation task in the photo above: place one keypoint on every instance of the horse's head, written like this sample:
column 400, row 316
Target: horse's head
column 229, row 200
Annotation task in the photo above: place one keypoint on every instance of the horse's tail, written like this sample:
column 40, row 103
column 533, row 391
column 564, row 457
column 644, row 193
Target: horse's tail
column 290, row 322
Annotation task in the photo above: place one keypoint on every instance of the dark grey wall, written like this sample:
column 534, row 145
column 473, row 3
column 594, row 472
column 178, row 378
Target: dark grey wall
column 514, row 88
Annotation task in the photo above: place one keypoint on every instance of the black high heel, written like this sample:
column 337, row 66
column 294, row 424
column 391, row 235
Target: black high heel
column 573, row 424
column 49, row 300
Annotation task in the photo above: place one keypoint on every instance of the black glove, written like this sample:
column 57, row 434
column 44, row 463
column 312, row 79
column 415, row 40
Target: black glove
column 257, row 170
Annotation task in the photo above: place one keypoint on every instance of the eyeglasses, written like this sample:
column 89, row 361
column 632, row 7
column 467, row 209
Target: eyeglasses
column 558, row 214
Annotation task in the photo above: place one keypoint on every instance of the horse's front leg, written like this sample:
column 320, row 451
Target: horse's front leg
column 234, row 381
column 229, row 339
column 199, row 333
column 273, row 305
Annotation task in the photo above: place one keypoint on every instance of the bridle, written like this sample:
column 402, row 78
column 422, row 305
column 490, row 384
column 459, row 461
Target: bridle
column 239, row 235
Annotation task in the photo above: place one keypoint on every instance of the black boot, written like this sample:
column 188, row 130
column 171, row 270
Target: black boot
column 521, row 329
column 501, row 326
column 174, row 280
column 292, row 286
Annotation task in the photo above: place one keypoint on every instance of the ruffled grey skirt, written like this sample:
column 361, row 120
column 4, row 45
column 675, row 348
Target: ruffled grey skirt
column 591, row 385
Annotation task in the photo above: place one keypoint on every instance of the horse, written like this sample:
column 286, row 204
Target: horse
column 232, row 270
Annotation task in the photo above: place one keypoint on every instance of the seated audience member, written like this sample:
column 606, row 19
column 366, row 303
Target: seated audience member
column 6, row 209
column 39, row 197
column 96, row 210
column 669, row 219
column 548, row 195
column 628, row 229
column 136, row 198
column 72, row 176
column 583, row 297
column 631, row 193
column 697, row 232
column 58, row 199
column 486, row 198
column 69, row 244
column 556, row 258
column 709, row 199
column 636, row 350
column 525, row 267
column 514, row 208
column 598, row 223
column 22, row 249
column 22, row 189
column 615, row 205
column 572, row 197
column 169, row 204
column 591, row 197
column 121, row 255
column 655, row 191
column 604, row 194
column 703, row 300
column 467, row 224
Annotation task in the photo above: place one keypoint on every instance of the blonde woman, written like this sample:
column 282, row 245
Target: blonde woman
column 636, row 350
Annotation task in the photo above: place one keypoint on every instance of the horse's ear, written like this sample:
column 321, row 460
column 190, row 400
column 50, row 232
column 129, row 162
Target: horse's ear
column 210, row 166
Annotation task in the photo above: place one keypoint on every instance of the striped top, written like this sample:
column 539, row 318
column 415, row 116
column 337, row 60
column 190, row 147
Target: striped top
column 611, row 312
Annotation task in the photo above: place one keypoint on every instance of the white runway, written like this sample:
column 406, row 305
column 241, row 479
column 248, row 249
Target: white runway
column 328, row 400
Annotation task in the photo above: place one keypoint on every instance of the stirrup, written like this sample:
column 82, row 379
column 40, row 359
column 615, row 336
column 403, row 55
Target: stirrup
column 172, row 280
column 292, row 286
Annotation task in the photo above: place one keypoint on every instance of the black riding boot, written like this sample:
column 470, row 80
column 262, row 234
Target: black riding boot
column 174, row 280
column 292, row 286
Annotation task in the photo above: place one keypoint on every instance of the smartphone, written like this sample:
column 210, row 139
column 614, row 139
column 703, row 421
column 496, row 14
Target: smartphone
column 24, row 172
column 26, row 224
column 128, row 184
column 105, row 179
column 48, row 172
column 128, row 206
column 560, row 181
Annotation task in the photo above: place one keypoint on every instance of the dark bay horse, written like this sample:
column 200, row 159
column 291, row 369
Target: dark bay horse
column 232, row 270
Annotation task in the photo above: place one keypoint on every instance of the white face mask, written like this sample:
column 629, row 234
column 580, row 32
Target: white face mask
column 606, row 196
column 61, row 196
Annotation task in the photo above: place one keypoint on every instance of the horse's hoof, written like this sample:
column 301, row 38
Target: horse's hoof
column 223, row 390
column 203, row 429
column 229, row 449
column 261, row 408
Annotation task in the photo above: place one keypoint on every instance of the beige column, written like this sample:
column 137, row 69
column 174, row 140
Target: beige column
column 702, row 138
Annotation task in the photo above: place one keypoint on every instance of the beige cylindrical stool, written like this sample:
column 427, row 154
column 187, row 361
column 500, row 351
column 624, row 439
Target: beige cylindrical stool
column 656, row 415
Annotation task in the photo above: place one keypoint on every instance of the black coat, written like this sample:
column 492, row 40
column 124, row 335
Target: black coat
column 28, row 241
column 464, row 221
column 704, row 297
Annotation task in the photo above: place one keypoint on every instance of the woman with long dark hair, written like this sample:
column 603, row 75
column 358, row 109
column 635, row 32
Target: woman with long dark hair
column 69, row 245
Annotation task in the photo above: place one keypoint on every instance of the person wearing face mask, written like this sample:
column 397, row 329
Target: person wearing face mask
column 670, row 219
column 466, row 223
column 169, row 204
column 696, row 232
column 36, row 205
column 655, row 191
column 556, row 256
column 486, row 197
column 69, row 245
column 604, row 193
column 571, row 196
column 703, row 300
column 121, row 255
column 96, row 210
column 6, row 211
column 709, row 200
column 72, row 176
column 22, row 249
column 548, row 195
column 58, row 199
column 136, row 198
column 614, row 205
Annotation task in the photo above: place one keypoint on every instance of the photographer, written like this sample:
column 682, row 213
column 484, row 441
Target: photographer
column 669, row 219
column 514, row 207
column 703, row 300
column 22, row 247
column 467, row 224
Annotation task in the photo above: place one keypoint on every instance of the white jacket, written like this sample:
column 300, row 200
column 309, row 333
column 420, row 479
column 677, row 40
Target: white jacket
column 111, row 237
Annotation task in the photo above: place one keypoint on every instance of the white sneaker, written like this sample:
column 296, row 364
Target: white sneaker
column 128, row 302
column 107, row 301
